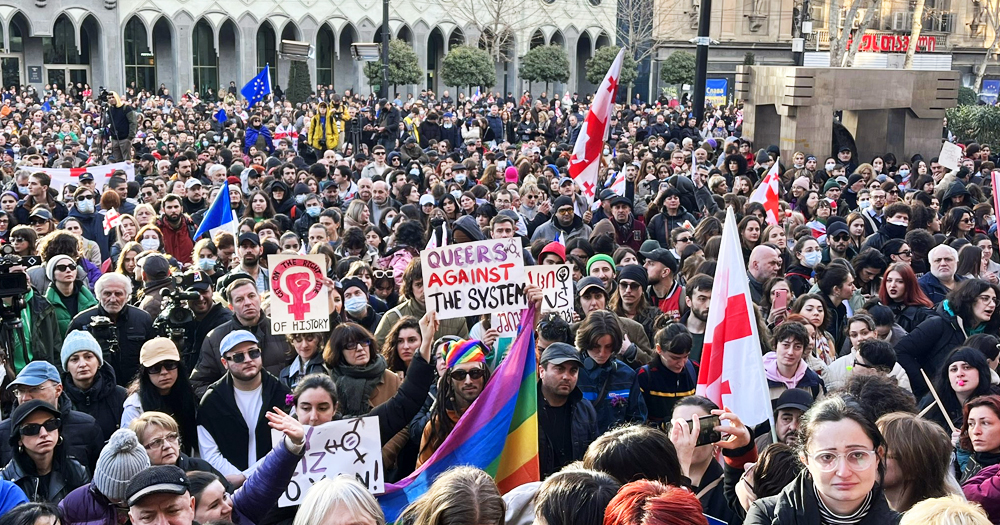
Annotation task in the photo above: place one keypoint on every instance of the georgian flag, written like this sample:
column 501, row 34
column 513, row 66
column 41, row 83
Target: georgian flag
column 585, row 162
column 767, row 193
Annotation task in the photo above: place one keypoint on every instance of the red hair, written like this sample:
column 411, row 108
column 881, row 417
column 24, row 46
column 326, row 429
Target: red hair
column 913, row 295
column 647, row 502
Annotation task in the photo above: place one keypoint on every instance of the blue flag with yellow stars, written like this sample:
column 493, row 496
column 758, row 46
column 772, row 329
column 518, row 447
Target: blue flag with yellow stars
column 258, row 87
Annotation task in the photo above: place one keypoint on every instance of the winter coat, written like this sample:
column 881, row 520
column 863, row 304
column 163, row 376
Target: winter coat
column 798, row 277
column 178, row 242
column 429, row 130
column 253, row 134
column 630, row 234
column 457, row 327
column 810, row 382
column 67, row 474
column 331, row 126
column 984, row 488
column 933, row 289
column 87, row 506
column 956, row 189
column 252, row 501
column 661, row 225
column 103, row 401
column 583, row 430
column 85, row 299
column 41, row 332
column 93, row 229
column 80, row 432
column 551, row 229
column 797, row 504
column 928, row 345
column 134, row 326
column 887, row 232
column 613, row 389
column 293, row 373
column 274, row 352
column 910, row 317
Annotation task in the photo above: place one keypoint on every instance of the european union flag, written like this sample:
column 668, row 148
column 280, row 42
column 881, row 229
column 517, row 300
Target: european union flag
column 221, row 115
column 46, row 107
column 258, row 87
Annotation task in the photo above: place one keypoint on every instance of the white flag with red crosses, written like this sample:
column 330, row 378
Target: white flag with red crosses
column 585, row 162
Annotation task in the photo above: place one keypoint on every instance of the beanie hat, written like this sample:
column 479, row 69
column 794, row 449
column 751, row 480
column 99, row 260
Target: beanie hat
column 120, row 460
column 80, row 341
column 553, row 247
column 762, row 157
column 634, row 272
column 348, row 282
column 600, row 257
column 830, row 184
column 462, row 351
column 50, row 267
column 801, row 182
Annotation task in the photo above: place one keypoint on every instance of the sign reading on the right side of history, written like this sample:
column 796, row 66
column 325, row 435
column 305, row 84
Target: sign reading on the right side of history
column 300, row 302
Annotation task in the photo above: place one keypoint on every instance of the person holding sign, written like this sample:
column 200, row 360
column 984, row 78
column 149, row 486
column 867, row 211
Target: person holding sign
column 413, row 291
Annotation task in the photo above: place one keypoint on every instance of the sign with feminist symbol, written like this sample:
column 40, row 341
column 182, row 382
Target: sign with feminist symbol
column 299, row 299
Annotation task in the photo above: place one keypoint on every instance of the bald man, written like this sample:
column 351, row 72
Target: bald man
column 765, row 261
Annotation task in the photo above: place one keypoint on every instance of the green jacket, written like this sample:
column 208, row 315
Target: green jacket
column 41, row 333
column 457, row 327
column 63, row 318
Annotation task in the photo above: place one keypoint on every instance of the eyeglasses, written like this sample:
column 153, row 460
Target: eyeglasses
column 82, row 198
column 65, row 267
column 683, row 239
column 20, row 391
column 460, row 375
column 173, row 438
column 382, row 274
column 630, row 285
column 905, row 253
column 358, row 345
column 32, row 429
column 567, row 211
column 988, row 299
column 242, row 356
column 967, row 221
column 170, row 366
column 18, row 239
column 857, row 460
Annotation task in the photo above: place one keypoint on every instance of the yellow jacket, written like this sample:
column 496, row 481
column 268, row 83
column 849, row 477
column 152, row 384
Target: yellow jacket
column 334, row 126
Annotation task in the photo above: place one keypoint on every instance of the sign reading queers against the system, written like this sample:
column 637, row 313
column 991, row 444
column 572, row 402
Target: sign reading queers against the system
column 474, row 278
column 300, row 300
column 347, row 446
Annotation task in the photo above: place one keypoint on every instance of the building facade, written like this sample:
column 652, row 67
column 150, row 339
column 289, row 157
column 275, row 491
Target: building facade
column 200, row 44
column 954, row 36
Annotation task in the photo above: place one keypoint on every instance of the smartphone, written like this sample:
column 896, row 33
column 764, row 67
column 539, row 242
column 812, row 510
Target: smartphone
column 706, row 432
column 780, row 300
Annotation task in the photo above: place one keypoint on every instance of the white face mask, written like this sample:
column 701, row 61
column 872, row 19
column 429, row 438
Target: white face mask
column 150, row 244
column 829, row 166
column 85, row 206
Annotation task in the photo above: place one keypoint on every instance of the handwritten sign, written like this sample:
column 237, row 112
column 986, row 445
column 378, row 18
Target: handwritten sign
column 300, row 301
column 556, row 282
column 348, row 446
column 474, row 278
column 950, row 156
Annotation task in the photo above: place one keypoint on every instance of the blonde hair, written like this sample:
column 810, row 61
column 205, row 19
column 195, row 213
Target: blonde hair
column 460, row 496
column 324, row 497
column 949, row 510
column 142, row 423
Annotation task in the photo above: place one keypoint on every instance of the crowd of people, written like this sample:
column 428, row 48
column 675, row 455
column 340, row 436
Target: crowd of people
column 144, row 380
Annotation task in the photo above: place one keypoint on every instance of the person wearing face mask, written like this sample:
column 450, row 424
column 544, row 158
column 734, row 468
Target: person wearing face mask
column 449, row 132
column 313, row 208
column 460, row 176
column 356, row 304
column 91, row 222
column 807, row 255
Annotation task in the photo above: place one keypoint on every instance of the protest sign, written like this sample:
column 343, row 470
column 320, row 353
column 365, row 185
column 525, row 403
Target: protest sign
column 474, row 278
column 299, row 300
column 102, row 174
column 556, row 282
column 950, row 156
column 347, row 446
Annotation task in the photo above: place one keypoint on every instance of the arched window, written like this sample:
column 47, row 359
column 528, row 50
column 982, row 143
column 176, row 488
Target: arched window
column 206, row 58
column 267, row 49
column 325, row 56
column 139, row 63
column 60, row 48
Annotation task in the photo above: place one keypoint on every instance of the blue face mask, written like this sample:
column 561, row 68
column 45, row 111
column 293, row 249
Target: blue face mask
column 206, row 264
column 314, row 211
column 356, row 305
column 904, row 172
column 812, row 259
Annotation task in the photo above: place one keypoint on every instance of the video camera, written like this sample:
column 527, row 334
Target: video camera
column 13, row 284
column 104, row 330
column 103, row 95
column 175, row 315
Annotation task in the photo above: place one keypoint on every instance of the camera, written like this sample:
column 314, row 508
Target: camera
column 103, row 95
column 12, row 284
column 175, row 314
column 104, row 330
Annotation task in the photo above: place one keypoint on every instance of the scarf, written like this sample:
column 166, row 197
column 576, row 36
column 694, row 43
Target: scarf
column 355, row 385
column 772, row 374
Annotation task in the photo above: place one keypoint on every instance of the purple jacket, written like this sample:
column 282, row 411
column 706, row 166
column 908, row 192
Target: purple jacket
column 86, row 506
column 984, row 489
column 261, row 491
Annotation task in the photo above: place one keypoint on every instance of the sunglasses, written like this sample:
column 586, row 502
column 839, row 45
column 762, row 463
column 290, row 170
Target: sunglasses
column 18, row 239
column 82, row 198
column 39, row 221
column 242, row 356
column 32, row 429
column 460, row 375
column 905, row 253
column 841, row 237
column 65, row 267
column 629, row 285
column 170, row 366
column 684, row 239
column 382, row 274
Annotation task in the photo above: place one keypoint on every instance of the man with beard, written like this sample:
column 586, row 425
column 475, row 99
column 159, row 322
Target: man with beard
column 838, row 241
column 567, row 423
column 380, row 201
column 246, row 315
column 207, row 315
column 664, row 290
column 629, row 231
column 697, row 298
column 463, row 380
column 178, row 230
column 182, row 167
column 250, row 252
column 941, row 279
column 564, row 223
column 791, row 404
column 233, row 432
column 194, row 200
column 628, row 300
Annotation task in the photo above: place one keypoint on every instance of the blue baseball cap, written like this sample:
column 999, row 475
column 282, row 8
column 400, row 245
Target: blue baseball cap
column 235, row 338
column 36, row 373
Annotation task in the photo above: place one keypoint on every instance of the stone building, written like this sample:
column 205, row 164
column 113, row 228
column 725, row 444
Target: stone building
column 188, row 44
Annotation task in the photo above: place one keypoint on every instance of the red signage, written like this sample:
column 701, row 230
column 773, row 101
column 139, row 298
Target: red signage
column 894, row 43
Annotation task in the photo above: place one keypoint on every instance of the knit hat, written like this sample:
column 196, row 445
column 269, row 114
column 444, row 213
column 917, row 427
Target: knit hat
column 463, row 351
column 801, row 182
column 600, row 257
column 120, row 460
column 348, row 282
column 80, row 341
column 634, row 272
column 510, row 174
column 50, row 267
column 555, row 248
column 830, row 184
column 762, row 157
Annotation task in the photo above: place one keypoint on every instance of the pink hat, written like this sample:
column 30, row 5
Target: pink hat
column 510, row 174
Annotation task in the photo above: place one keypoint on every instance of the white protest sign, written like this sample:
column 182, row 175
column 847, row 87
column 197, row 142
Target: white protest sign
column 102, row 174
column 299, row 300
column 474, row 278
column 556, row 282
column 348, row 446
column 950, row 156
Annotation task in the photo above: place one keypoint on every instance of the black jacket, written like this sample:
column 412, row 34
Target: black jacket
column 797, row 505
column 196, row 332
column 103, row 401
column 910, row 317
column 274, row 352
column 583, row 430
column 927, row 346
column 222, row 418
column 135, row 327
column 659, row 227
column 67, row 474
column 80, row 432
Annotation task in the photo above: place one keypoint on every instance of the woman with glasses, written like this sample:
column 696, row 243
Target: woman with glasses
column 384, row 286
column 363, row 378
column 39, row 464
column 958, row 223
column 24, row 240
column 162, row 386
column 844, row 456
column 41, row 221
column 90, row 248
column 67, row 294
column 159, row 435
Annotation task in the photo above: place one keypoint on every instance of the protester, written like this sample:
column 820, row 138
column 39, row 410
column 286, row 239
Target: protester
column 89, row 382
column 918, row 460
column 163, row 386
column 103, row 500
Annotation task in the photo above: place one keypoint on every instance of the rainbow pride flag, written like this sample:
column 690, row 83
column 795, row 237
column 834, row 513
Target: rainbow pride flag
column 499, row 432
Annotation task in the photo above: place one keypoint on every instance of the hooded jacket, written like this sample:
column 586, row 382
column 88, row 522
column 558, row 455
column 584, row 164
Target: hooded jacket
column 796, row 504
column 274, row 352
column 662, row 224
column 103, row 401
column 927, row 346
column 93, row 229
column 287, row 202
column 67, row 474
column 551, row 229
column 956, row 189
column 622, row 400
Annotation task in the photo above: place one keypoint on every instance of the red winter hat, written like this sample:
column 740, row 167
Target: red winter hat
column 553, row 247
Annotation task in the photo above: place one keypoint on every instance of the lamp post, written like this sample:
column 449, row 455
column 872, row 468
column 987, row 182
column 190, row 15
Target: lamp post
column 701, row 60
column 384, row 88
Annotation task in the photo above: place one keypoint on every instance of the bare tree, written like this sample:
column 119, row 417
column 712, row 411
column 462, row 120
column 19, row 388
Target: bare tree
column 917, row 27
column 497, row 22
column 840, row 54
column 990, row 11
